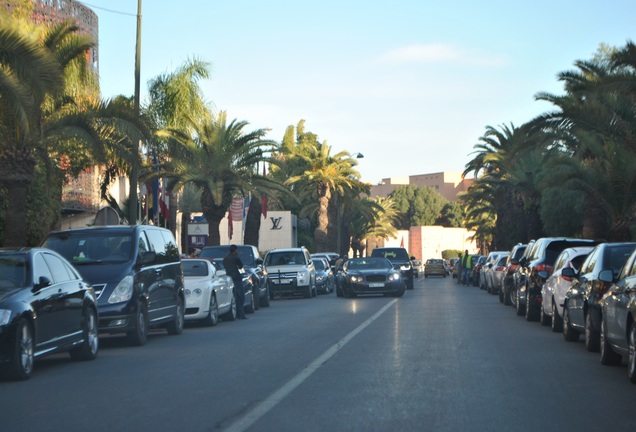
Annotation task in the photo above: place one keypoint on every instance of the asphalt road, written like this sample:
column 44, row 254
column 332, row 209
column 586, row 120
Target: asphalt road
column 442, row 358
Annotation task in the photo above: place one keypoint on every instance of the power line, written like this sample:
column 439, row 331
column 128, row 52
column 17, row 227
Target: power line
column 110, row 10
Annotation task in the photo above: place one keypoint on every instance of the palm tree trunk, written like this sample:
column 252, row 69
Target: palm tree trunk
column 321, row 237
column 253, row 222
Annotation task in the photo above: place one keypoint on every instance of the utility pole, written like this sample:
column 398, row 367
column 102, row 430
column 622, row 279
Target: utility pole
column 134, row 173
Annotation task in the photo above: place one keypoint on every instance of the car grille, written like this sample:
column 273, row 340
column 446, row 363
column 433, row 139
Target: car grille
column 99, row 288
column 376, row 278
column 281, row 275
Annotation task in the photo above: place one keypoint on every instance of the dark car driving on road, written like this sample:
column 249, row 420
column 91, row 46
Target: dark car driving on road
column 400, row 259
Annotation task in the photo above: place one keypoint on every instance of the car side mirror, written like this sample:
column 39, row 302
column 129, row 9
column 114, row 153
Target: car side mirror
column 543, row 274
column 568, row 272
column 43, row 282
column 606, row 276
column 148, row 258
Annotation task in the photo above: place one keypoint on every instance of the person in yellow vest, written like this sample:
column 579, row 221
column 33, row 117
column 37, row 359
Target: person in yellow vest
column 467, row 267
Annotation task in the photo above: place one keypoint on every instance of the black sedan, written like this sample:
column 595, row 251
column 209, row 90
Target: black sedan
column 370, row 276
column 45, row 308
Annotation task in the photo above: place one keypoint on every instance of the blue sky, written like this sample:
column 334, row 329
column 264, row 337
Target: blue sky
column 410, row 84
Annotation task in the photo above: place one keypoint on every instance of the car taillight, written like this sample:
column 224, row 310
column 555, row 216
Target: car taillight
column 500, row 268
column 567, row 278
column 544, row 267
column 512, row 268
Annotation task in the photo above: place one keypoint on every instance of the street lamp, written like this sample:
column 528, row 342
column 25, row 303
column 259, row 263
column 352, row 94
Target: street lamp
column 357, row 155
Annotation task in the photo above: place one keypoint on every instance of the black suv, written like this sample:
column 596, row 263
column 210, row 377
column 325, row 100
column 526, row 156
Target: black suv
column 400, row 259
column 136, row 274
column 253, row 264
column 541, row 258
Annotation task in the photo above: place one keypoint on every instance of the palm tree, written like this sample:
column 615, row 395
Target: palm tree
column 325, row 174
column 220, row 160
column 32, row 88
column 372, row 219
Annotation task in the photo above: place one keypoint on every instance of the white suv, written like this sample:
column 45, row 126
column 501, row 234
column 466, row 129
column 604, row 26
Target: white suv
column 290, row 272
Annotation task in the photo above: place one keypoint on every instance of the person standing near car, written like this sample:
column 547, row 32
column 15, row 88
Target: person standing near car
column 233, row 266
column 467, row 266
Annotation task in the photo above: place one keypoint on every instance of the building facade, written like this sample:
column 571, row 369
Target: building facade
column 447, row 184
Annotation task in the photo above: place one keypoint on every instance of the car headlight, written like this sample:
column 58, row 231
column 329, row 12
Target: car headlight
column 394, row 276
column 405, row 267
column 355, row 279
column 5, row 316
column 320, row 278
column 303, row 278
column 123, row 291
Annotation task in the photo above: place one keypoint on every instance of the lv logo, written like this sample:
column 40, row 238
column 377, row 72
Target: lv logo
column 276, row 223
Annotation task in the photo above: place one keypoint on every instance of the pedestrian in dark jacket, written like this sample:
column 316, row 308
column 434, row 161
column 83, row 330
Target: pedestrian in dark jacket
column 458, row 264
column 233, row 266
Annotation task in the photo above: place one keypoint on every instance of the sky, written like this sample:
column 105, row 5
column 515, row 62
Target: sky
column 412, row 85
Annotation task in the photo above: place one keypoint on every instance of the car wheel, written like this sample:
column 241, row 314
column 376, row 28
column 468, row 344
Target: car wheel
column 264, row 301
column 608, row 356
column 544, row 318
column 250, row 308
column 139, row 335
column 631, row 355
column 399, row 292
column 20, row 366
column 592, row 336
column 308, row 292
column 506, row 298
column 213, row 313
column 557, row 321
column 90, row 345
column 569, row 334
column 230, row 315
column 519, row 309
column 175, row 327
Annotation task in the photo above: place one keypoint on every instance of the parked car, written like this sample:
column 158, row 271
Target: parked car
column 418, row 267
column 519, row 278
column 541, row 258
column 434, row 267
column 491, row 259
column 253, row 264
column 251, row 297
column 453, row 267
column 495, row 274
column 208, row 293
column 331, row 257
column 400, row 259
column 557, row 285
column 478, row 261
column 325, row 279
column 581, row 306
column 135, row 272
column 618, row 314
column 291, row 272
column 46, row 307
column 511, row 265
column 371, row 275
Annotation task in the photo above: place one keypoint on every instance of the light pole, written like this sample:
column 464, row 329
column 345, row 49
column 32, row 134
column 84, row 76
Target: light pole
column 357, row 155
column 134, row 172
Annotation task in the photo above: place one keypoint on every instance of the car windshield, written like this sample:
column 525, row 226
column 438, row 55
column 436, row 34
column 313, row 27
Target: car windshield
column 284, row 258
column 617, row 255
column 13, row 271
column 91, row 247
column 194, row 268
column 319, row 264
column 368, row 263
column 391, row 254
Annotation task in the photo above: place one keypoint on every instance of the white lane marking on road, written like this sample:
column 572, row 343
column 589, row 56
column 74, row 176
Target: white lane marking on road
column 264, row 407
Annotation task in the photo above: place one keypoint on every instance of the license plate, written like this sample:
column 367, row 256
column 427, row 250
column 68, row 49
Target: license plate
column 281, row 281
column 376, row 285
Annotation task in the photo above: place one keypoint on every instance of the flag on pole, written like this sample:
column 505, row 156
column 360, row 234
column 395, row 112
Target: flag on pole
column 164, row 202
column 236, row 209
column 402, row 242
column 230, row 228
column 246, row 208
column 264, row 198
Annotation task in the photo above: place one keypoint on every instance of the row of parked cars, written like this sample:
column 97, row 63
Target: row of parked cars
column 579, row 287
column 127, row 280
